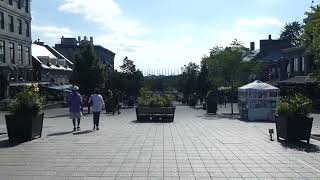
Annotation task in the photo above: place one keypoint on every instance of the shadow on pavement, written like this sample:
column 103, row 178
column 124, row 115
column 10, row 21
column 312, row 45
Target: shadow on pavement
column 150, row 121
column 300, row 146
column 219, row 116
column 83, row 132
column 258, row 121
column 315, row 136
column 7, row 144
column 60, row 133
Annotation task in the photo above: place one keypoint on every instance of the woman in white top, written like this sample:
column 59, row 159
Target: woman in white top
column 96, row 102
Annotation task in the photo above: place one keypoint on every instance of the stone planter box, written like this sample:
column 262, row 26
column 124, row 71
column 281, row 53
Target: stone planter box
column 155, row 114
column 294, row 128
column 24, row 128
column 211, row 107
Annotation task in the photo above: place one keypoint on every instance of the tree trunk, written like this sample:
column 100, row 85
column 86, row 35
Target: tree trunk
column 231, row 99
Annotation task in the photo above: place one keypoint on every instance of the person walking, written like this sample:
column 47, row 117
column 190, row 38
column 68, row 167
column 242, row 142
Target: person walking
column 116, row 102
column 96, row 101
column 75, row 102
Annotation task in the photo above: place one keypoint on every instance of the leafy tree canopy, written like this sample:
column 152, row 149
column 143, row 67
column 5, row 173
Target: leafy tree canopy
column 292, row 32
column 88, row 71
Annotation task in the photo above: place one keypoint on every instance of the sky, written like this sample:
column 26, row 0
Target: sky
column 164, row 34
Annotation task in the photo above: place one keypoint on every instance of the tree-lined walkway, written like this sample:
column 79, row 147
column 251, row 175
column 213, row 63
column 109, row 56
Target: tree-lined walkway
column 195, row 146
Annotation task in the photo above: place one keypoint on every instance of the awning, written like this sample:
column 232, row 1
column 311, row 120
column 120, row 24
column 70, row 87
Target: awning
column 12, row 84
column 65, row 88
column 298, row 80
column 257, row 86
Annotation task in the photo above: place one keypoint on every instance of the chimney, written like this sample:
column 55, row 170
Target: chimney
column 270, row 38
column 79, row 38
column 38, row 42
column 252, row 46
column 91, row 40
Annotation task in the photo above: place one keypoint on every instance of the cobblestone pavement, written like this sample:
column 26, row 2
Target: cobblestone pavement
column 195, row 146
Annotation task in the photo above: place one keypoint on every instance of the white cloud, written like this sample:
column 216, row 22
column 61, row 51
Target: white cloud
column 52, row 31
column 260, row 22
column 106, row 14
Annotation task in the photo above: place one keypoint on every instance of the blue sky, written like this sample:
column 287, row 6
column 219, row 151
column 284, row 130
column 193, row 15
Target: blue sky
column 163, row 34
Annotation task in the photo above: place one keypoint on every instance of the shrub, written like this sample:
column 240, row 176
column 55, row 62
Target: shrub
column 28, row 102
column 155, row 99
column 296, row 105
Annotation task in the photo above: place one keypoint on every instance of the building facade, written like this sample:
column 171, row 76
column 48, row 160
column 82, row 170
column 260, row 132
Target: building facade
column 15, row 44
column 69, row 47
column 271, row 56
column 49, row 65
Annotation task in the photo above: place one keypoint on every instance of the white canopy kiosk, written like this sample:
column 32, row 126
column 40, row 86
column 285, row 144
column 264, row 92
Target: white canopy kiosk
column 258, row 101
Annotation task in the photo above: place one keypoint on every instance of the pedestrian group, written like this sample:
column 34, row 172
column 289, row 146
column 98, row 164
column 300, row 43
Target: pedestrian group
column 96, row 102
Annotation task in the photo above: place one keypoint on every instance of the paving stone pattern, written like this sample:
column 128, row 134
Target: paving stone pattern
column 195, row 146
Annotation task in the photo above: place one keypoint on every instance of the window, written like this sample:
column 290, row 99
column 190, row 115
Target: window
column 27, row 6
column 296, row 65
column 11, row 50
column 20, row 26
column 20, row 52
column 28, row 55
column 11, row 23
column 288, row 68
column 2, row 52
column 19, row 4
column 2, row 20
column 10, row 2
column 27, row 29
column 303, row 68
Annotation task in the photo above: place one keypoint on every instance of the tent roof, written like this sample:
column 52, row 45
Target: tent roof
column 258, row 86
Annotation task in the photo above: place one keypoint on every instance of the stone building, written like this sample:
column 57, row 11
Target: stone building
column 49, row 65
column 15, row 44
column 271, row 56
column 70, row 47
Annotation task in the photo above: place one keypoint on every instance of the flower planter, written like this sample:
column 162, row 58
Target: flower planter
column 294, row 128
column 24, row 128
column 155, row 113
column 109, row 107
column 212, row 107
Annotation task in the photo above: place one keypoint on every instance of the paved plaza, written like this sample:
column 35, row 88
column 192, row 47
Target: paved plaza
column 195, row 146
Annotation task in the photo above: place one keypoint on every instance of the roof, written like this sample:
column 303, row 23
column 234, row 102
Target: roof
column 59, row 54
column 38, row 51
column 298, row 80
column 257, row 86
column 251, row 54
column 101, row 47
column 269, row 56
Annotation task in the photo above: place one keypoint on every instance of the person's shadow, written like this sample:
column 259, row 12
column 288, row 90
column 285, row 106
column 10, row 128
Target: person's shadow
column 83, row 132
column 60, row 133
column 7, row 144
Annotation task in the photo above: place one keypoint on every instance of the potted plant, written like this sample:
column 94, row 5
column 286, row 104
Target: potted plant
column 155, row 106
column 109, row 102
column 211, row 103
column 292, row 119
column 26, row 117
column 193, row 100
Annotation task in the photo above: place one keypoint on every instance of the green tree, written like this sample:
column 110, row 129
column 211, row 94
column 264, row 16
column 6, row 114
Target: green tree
column 128, row 66
column 88, row 72
column 203, row 84
column 292, row 32
column 311, row 37
column 228, row 68
column 187, row 81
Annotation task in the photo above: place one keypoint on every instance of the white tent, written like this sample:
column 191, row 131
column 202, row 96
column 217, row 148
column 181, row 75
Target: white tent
column 258, row 101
